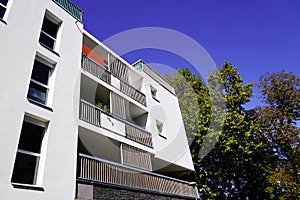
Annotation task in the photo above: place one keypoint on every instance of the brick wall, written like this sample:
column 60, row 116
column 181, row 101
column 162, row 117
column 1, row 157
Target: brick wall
column 99, row 192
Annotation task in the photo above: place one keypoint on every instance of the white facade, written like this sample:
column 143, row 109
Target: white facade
column 56, row 107
column 171, row 150
column 19, row 47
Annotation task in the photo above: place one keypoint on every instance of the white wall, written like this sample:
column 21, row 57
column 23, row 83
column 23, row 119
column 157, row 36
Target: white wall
column 174, row 148
column 19, row 44
column 112, row 124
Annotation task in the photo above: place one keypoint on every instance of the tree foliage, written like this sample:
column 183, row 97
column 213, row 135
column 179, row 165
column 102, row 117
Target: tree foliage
column 281, row 94
column 228, row 170
column 194, row 100
column 255, row 152
column 195, row 107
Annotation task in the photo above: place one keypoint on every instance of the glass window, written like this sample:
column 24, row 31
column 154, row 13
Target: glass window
column 31, row 137
column 153, row 91
column 38, row 87
column 2, row 11
column 40, row 72
column 37, row 93
column 25, row 169
column 50, row 27
column 160, row 128
column 29, row 152
column 3, row 4
column 49, row 31
column 46, row 40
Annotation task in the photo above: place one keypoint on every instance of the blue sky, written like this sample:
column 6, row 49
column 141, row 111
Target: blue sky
column 257, row 36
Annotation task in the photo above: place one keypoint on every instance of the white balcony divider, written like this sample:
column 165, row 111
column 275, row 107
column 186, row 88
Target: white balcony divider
column 102, row 171
column 95, row 69
column 136, row 157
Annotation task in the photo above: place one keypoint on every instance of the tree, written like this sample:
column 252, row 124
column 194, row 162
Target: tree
column 194, row 99
column 229, row 170
column 281, row 94
column 195, row 107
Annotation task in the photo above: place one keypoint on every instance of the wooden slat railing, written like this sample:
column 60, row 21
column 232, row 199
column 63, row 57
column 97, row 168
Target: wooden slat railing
column 139, row 135
column 118, row 105
column 136, row 157
column 118, row 68
column 133, row 93
column 92, row 115
column 95, row 69
column 103, row 171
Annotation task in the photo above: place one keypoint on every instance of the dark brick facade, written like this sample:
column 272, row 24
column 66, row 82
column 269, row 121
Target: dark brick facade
column 100, row 192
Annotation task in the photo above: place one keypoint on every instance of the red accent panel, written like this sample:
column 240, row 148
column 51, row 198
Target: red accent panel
column 91, row 54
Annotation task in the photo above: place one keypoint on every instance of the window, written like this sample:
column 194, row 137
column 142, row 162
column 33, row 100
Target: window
column 160, row 127
column 38, row 88
column 3, row 7
column 28, row 156
column 49, row 32
column 153, row 91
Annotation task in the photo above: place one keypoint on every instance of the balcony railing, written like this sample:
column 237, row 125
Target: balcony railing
column 103, row 74
column 133, row 156
column 118, row 68
column 103, row 171
column 137, row 134
column 132, row 92
column 71, row 8
column 148, row 70
column 95, row 69
column 92, row 114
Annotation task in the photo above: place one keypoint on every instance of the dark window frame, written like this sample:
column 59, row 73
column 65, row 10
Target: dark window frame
column 28, row 161
column 50, row 31
column 39, row 87
column 153, row 92
column 3, row 8
column 160, row 129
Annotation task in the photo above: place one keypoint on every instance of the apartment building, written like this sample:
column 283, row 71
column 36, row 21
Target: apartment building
column 78, row 121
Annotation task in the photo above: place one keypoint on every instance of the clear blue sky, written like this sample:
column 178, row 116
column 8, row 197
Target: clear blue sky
column 257, row 36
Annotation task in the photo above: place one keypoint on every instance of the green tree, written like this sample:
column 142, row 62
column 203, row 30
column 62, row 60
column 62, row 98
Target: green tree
column 231, row 169
column 281, row 94
column 195, row 107
column 228, row 170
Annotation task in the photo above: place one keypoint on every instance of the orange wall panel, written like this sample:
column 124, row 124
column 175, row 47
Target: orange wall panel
column 91, row 54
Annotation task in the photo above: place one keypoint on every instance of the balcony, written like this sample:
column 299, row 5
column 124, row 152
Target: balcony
column 96, row 170
column 71, row 8
column 92, row 67
column 96, row 116
column 100, row 72
column 132, row 92
column 140, row 65
column 118, row 68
